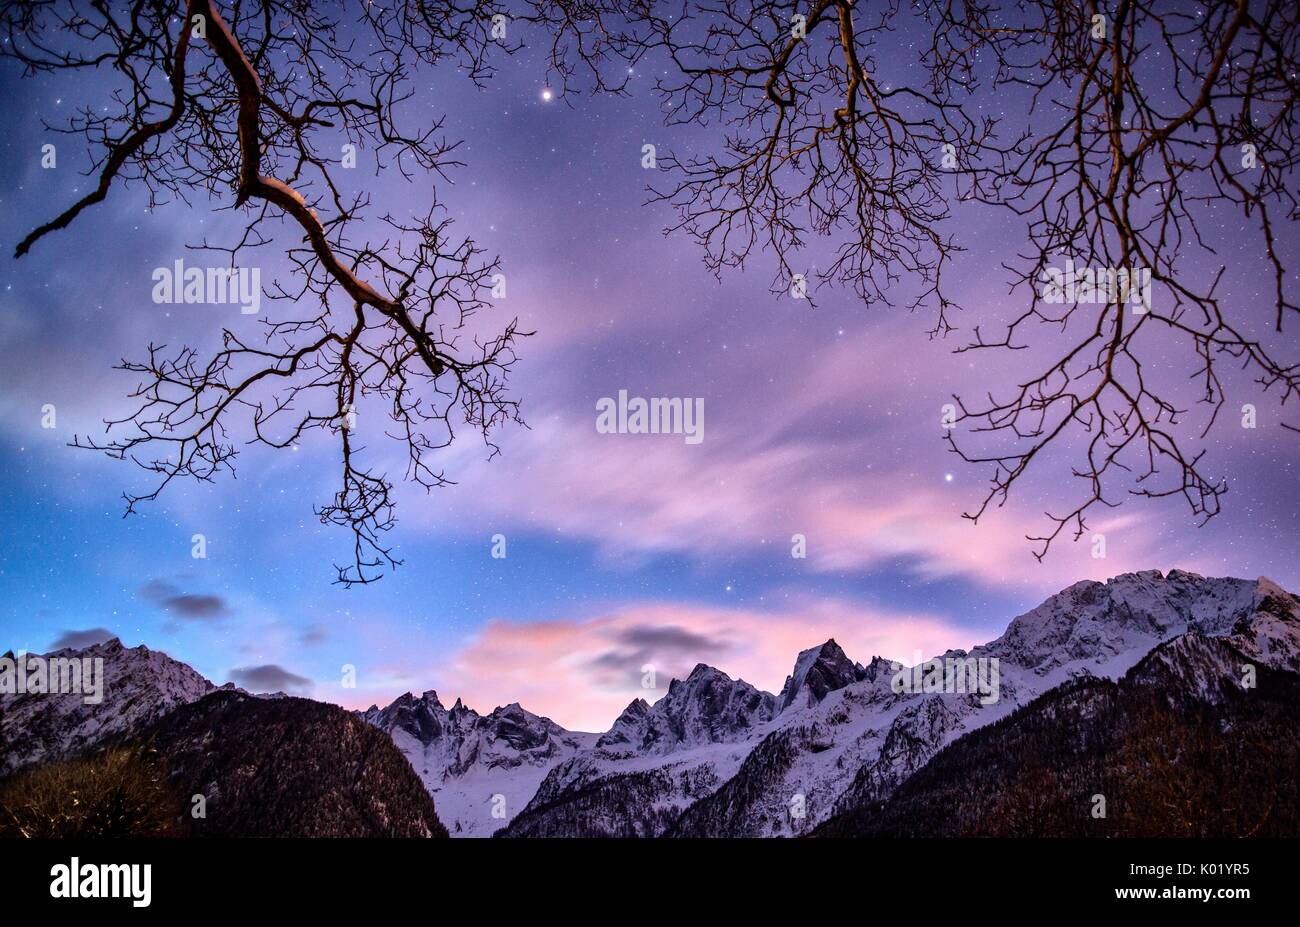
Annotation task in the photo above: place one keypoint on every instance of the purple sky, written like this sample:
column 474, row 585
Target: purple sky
column 623, row 550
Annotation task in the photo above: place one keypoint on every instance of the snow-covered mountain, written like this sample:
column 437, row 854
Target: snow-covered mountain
column 841, row 733
column 140, row 686
column 818, row 671
column 654, row 762
column 707, row 707
column 480, row 769
column 1185, row 744
column 716, row 756
column 644, row 787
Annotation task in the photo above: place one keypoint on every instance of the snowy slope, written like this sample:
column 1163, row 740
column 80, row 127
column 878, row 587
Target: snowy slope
column 466, row 760
column 1169, row 736
column 716, row 756
column 140, row 686
column 842, row 734
column 654, row 762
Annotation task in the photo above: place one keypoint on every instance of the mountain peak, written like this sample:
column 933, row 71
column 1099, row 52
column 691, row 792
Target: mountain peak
column 708, row 706
column 1091, row 622
column 467, row 758
column 1265, row 587
column 139, row 686
column 637, row 708
column 817, row 672
column 627, row 726
column 1270, row 631
column 409, row 700
column 704, row 671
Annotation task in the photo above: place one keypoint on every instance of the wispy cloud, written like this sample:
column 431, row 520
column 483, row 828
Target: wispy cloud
column 271, row 678
column 582, row 673
column 636, row 496
column 189, row 606
column 80, row 639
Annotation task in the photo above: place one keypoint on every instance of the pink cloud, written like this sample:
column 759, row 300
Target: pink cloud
column 646, row 494
column 843, row 447
column 583, row 673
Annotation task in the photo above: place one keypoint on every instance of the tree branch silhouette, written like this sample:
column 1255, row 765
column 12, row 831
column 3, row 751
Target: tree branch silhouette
column 250, row 115
column 1144, row 127
column 1145, row 124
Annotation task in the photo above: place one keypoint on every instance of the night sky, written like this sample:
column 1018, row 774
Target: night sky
column 623, row 550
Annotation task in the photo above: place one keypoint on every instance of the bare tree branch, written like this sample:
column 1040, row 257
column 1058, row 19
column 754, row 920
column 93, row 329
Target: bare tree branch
column 251, row 114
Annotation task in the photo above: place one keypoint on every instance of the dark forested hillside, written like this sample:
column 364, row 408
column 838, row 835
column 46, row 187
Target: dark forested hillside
column 291, row 767
column 229, row 765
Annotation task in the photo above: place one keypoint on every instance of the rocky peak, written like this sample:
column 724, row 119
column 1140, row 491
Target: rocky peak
column 708, row 706
column 466, row 759
column 817, row 672
column 139, row 686
column 1191, row 664
column 1092, row 621
column 1269, row 631
column 463, row 736
column 637, row 708
column 628, row 726
column 879, row 667
column 520, row 729
column 423, row 718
